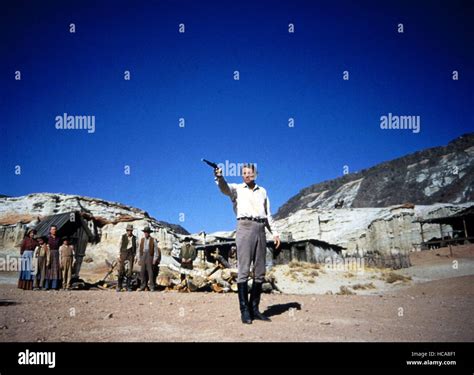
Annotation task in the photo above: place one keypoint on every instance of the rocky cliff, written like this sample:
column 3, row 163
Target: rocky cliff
column 436, row 175
column 110, row 218
column 376, row 215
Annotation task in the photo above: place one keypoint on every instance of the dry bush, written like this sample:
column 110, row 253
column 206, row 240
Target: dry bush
column 303, row 265
column 311, row 273
column 363, row 286
column 392, row 277
column 344, row 290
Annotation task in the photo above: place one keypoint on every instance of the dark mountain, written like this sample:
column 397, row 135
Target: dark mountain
column 442, row 174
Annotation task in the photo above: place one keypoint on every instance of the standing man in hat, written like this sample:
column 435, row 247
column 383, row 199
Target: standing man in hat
column 128, row 250
column 252, row 208
column 187, row 254
column 147, row 252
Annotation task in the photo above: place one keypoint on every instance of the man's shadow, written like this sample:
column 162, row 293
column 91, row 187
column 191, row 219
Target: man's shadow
column 281, row 308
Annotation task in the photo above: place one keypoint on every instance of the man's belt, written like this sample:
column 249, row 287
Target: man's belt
column 257, row 219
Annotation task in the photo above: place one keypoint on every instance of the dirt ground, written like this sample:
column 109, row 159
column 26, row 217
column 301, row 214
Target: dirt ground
column 437, row 310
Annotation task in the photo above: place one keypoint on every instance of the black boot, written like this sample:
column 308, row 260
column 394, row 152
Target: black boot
column 255, row 301
column 129, row 285
column 243, row 303
column 119, row 284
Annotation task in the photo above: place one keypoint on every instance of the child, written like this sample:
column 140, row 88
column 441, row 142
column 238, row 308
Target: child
column 42, row 256
column 66, row 255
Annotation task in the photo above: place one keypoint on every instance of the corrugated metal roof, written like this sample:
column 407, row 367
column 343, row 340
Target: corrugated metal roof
column 59, row 220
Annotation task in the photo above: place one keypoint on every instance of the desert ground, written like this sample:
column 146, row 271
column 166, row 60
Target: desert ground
column 431, row 301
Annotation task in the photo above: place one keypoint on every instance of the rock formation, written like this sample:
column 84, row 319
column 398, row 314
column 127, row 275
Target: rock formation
column 109, row 220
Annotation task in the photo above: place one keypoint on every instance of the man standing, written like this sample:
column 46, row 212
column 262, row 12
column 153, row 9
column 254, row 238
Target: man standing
column 252, row 207
column 148, row 253
column 187, row 255
column 128, row 250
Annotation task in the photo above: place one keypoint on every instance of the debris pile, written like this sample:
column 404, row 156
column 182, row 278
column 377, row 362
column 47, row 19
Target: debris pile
column 215, row 277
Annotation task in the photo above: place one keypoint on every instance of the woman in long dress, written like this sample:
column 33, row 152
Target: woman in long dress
column 53, row 272
column 27, row 250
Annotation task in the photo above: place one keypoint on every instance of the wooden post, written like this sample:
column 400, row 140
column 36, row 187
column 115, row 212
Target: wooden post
column 441, row 234
column 422, row 234
column 465, row 230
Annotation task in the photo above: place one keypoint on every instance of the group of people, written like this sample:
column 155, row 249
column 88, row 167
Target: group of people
column 148, row 256
column 45, row 262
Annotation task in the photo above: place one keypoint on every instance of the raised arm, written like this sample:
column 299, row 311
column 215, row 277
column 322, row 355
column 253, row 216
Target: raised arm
column 224, row 187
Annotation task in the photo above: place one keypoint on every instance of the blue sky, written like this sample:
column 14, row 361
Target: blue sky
column 190, row 75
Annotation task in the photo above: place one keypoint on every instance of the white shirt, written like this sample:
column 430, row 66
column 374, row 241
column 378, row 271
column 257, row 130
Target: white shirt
column 248, row 202
column 146, row 244
column 129, row 242
column 146, row 248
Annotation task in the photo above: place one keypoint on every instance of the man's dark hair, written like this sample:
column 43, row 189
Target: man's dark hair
column 251, row 166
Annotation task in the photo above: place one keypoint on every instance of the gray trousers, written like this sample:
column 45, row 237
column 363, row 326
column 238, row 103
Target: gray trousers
column 146, row 271
column 251, row 247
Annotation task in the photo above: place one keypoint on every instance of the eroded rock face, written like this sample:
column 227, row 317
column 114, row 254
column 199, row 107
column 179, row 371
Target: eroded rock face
column 19, row 213
column 374, row 216
column 436, row 175
column 29, row 207
column 386, row 230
